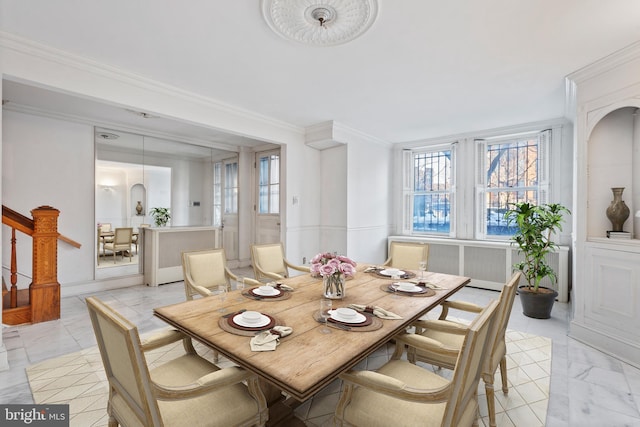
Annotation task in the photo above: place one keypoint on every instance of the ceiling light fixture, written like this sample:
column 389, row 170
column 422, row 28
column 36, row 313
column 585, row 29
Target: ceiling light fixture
column 320, row 22
column 107, row 135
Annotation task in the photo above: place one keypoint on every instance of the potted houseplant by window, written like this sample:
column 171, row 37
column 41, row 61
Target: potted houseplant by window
column 161, row 216
column 535, row 226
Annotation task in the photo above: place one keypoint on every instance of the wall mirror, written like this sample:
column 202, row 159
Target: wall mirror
column 135, row 173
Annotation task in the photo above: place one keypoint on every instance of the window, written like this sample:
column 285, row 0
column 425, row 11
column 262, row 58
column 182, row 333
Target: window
column 231, row 188
column 217, row 194
column 429, row 191
column 510, row 171
column 269, row 184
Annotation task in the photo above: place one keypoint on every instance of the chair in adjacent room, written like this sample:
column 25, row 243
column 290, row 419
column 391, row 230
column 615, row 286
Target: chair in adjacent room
column 451, row 335
column 187, row 390
column 403, row 394
column 269, row 262
column 121, row 243
column 407, row 255
column 136, row 237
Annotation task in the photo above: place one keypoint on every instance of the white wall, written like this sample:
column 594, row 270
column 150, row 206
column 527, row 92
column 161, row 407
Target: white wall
column 50, row 162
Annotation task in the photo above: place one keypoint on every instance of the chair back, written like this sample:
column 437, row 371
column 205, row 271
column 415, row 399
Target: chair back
column 122, row 236
column 269, row 258
column 505, row 304
column 130, row 393
column 105, row 228
column 462, row 408
column 407, row 255
column 204, row 268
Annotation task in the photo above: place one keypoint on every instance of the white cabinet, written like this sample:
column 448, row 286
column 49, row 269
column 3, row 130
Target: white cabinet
column 163, row 249
column 606, row 284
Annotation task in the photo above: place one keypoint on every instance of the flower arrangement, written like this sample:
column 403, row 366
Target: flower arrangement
column 334, row 269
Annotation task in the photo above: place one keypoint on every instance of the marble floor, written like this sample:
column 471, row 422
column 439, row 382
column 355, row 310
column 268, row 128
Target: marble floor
column 587, row 387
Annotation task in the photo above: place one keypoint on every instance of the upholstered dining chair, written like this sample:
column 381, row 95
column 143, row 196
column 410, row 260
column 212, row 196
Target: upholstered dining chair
column 106, row 228
column 403, row 394
column 121, row 242
column 451, row 335
column 136, row 237
column 204, row 271
column 407, row 255
column 269, row 262
column 185, row 391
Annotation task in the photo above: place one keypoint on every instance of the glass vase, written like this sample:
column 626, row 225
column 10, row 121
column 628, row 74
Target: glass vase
column 333, row 286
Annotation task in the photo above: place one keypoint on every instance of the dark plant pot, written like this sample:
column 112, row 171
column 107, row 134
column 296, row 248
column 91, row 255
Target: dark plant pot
column 537, row 304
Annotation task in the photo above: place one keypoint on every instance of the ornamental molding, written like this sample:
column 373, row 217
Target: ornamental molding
column 320, row 22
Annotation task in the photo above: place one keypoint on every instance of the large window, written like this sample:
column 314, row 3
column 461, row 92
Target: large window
column 510, row 171
column 429, row 191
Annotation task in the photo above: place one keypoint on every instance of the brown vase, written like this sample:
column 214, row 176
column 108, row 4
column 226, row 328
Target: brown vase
column 618, row 211
column 139, row 208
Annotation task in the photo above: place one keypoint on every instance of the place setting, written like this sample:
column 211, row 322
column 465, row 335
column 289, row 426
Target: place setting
column 248, row 323
column 345, row 318
column 390, row 273
column 408, row 289
column 270, row 292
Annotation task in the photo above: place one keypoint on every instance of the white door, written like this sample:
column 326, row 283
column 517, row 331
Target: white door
column 267, row 207
column 229, row 207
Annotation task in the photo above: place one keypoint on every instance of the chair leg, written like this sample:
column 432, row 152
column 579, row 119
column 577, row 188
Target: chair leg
column 503, row 375
column 112, row 422
column 491, row 403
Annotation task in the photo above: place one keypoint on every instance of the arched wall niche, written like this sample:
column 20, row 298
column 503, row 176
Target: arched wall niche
column 613, row 158
column 138, row 194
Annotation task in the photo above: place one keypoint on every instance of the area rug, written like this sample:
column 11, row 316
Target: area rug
column 78, row 379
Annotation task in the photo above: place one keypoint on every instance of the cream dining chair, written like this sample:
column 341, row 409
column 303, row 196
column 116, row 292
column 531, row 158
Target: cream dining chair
column 136, row 237
column 451, row 335
column 204, row 271
column 407, row 255
column 121, row 243
column 403, row 394
column 185, row 391
column 269, row 262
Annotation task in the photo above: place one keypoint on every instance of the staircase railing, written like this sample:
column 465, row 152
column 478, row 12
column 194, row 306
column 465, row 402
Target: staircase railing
column 41, row 302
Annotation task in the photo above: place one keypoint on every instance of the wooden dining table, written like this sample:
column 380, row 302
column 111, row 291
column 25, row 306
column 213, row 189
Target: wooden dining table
column 309, row 358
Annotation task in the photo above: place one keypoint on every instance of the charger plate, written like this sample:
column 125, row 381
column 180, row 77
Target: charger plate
column 283, row 295
column 427, row 292
column 227, row 325
column 375, row 324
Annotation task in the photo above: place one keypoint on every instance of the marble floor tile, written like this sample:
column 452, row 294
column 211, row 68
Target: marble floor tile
column 586, row 387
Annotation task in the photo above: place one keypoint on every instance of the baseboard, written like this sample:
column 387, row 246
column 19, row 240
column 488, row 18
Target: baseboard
column 626, row 351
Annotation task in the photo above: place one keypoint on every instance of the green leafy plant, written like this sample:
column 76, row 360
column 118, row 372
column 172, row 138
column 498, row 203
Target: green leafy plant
column 161, row 216
column 536, row 225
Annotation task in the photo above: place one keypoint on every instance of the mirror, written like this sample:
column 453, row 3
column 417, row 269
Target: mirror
column 136, row 173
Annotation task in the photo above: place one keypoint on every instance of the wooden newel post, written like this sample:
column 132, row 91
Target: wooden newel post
column 44, row 291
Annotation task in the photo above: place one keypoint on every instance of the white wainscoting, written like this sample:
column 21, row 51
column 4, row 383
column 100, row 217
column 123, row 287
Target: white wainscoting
column 488, row 264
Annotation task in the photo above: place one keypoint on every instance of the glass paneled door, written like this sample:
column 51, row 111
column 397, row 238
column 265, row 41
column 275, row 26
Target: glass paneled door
column 268, row 197
column 229, row 208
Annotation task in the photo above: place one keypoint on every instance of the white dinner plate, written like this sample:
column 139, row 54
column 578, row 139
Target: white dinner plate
column 264, row 321
column 414, row 289
column 358, row 318
column 387, row 273
column 273, row 292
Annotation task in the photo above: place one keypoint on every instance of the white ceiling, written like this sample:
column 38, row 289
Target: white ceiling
column 425, row 68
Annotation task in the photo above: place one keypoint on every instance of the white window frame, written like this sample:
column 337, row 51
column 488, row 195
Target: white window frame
column 542, row 188
column 408, row 191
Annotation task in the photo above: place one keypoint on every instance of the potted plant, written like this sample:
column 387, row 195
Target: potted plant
column 535, row 226
column 160, row 215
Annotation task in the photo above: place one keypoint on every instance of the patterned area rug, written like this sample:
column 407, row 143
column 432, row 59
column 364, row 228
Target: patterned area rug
column 79, row 380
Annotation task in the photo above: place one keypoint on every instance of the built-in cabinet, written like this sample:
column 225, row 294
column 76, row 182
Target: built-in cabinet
column 606, row 285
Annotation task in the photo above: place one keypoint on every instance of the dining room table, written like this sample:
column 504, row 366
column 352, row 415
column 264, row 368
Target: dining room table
column 309, row 358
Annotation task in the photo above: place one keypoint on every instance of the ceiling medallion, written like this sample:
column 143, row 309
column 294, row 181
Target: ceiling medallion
column 320, row 22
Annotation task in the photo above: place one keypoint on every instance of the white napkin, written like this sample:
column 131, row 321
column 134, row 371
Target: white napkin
column 377, row 311
column 280, row 286
column 268, row 340
column 420, row 282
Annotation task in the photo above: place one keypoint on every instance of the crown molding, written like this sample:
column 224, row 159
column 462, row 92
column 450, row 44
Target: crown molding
column 331, row 134
column 26, row 109
column 41, row 51
column 609, row 62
